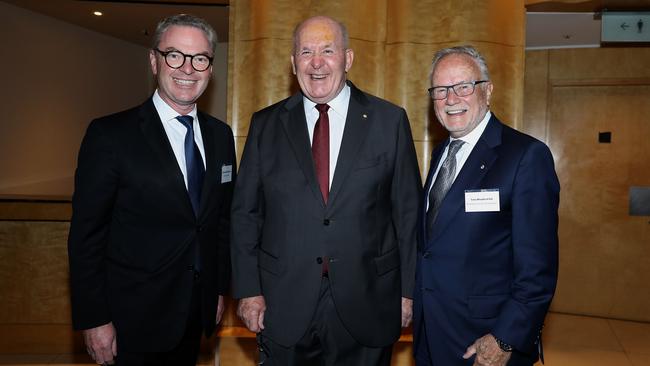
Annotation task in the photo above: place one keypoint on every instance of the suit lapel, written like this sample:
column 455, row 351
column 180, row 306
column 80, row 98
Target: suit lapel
column 156, row 138
column 357, row 125
column 477, row 165
column 295, row 126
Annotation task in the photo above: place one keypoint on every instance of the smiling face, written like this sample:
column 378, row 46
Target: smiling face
column 180, row 88
column 320, row 60
column 460, row 115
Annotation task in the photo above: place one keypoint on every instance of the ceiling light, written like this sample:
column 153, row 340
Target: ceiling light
column 98, row 13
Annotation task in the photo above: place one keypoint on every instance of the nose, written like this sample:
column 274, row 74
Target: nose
column 316, row 61
column 187, row 65
column 452, row 98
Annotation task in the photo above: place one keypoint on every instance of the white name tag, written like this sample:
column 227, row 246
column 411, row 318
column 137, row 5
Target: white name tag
column 484, row 200
column 226, row 173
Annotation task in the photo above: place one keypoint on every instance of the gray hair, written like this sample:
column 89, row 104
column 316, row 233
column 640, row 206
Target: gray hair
column 186, row 20
column 462, row 50
column 342, row 28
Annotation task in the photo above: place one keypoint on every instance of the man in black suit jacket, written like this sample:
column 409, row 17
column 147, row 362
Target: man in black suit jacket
column 323, row 249
column 149, row 238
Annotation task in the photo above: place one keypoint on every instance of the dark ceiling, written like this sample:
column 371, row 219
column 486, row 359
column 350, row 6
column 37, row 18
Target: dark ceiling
column 132, row 21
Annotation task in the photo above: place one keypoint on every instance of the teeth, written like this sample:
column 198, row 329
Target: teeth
column 318, row 77
column 184, row 82
column 456, row 111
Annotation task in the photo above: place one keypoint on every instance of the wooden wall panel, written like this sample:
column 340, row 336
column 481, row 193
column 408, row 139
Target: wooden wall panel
column 572, row 95
column 34, row 272
column 606, row 251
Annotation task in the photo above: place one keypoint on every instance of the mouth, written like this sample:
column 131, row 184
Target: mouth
column 318, row 77
column 455, row 111
column 184, row 82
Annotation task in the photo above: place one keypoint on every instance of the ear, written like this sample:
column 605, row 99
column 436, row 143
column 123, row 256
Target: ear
column 349, row 58
column 488, row 92
column 293, row 65
column 153, row 62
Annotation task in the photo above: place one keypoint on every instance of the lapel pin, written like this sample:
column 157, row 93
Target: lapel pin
column 482, row 166
column 364, row 115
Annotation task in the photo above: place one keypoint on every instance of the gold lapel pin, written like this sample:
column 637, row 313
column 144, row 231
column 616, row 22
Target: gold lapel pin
column 364, row 115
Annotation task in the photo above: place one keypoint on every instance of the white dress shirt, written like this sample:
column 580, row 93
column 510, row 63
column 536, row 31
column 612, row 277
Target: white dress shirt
column 463, row 153
column 176, row 131
column 337, row 114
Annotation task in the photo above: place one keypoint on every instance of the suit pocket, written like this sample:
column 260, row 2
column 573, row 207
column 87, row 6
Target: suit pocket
column 485, row 307
column 387, row 262
column 269, row 262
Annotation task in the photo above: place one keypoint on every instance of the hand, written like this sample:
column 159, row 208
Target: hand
column 488, row 352
column 407, row 311
column 220, row 309
column 101, row 343
column 251, row 311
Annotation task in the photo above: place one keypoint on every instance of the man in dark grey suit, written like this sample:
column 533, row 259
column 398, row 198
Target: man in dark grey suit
column 324, row 215
column 149, row 243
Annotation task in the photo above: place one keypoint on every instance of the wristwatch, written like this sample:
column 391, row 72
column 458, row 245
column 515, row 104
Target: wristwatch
column 505, row 347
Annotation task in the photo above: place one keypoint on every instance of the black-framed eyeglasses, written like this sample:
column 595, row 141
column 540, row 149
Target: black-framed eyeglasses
column 176, row 60
column 461, row 89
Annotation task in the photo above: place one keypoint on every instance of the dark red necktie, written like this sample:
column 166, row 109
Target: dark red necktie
column 320, row 150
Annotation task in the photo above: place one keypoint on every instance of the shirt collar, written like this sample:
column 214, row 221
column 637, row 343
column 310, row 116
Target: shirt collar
column 166, row 112
column 339, row 104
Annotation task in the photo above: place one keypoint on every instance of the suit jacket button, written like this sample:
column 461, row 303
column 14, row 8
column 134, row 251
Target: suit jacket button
column 319, row 260
column 326, row 222
column 199, row 228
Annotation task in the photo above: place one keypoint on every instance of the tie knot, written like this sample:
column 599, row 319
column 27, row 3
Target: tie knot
column 322, row 108
column 454, row 146
column 186, row 121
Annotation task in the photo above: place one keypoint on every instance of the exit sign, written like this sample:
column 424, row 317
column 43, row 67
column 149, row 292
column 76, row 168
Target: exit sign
column 625, row 27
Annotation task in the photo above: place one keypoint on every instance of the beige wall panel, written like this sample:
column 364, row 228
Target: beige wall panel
column 604, row 252
column 535, row 95
column 599, row 63
column 34, row 272
column 407, row 79
column 369, row 66
column 456, row 21
column 260, row 78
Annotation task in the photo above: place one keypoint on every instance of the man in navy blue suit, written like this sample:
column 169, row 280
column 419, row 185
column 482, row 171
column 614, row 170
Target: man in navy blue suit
column 488, row 252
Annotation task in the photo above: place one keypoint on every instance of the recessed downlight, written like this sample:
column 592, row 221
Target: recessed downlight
column 98, row 13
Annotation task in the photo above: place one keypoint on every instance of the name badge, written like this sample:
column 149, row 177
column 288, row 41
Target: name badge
column 483, row 200
column 226, row 173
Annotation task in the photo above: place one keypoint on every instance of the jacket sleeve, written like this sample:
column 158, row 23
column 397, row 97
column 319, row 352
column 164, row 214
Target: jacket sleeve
column 223, row 255
column 96, row 181
column 535, row 201
column 247, row 218
column 405, row 198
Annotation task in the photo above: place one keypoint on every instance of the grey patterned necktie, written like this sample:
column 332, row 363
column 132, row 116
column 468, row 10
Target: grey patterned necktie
column 443, row 182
